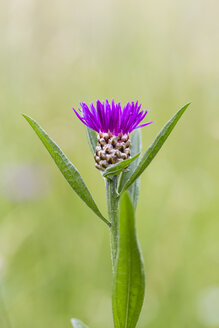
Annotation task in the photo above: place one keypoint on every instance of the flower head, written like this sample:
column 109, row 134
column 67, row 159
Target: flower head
column 113, row 125
column 112, row 118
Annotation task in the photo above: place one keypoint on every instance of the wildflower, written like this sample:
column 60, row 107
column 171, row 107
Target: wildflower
column 113, row 125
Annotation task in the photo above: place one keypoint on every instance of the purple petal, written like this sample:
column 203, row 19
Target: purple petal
column 106, row 117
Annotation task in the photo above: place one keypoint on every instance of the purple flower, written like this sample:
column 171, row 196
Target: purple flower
column 106, row 117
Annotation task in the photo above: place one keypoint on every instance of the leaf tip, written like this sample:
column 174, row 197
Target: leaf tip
column 187, row 105
column 27, row 118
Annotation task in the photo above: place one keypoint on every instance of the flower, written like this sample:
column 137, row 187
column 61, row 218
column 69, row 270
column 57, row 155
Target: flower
column 112, row 118
column 113, row 125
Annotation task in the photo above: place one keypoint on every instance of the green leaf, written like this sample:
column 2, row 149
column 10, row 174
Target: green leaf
column 92, row 139
column 115, row 169
column 68, row 170
column 154, row 148
column 135, row 149
column 128, row 277
column 78, row 324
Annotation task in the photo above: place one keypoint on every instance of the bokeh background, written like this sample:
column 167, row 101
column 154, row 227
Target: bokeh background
column 54, row 252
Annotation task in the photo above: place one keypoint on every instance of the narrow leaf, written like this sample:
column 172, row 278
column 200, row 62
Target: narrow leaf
column 78, row 324
column 92, row 139
column 128, row 277
column 135, row 149
column 115, row 169
column 68, row 170
column 154, row 148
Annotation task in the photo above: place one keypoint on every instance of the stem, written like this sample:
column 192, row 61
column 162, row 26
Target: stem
column 113, row 211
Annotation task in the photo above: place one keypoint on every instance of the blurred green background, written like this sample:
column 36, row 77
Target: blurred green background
column 54, row 252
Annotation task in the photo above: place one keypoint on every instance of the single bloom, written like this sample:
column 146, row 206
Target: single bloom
column 113, row 125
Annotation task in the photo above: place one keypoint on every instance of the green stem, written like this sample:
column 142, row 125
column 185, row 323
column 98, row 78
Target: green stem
column 113, row 211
